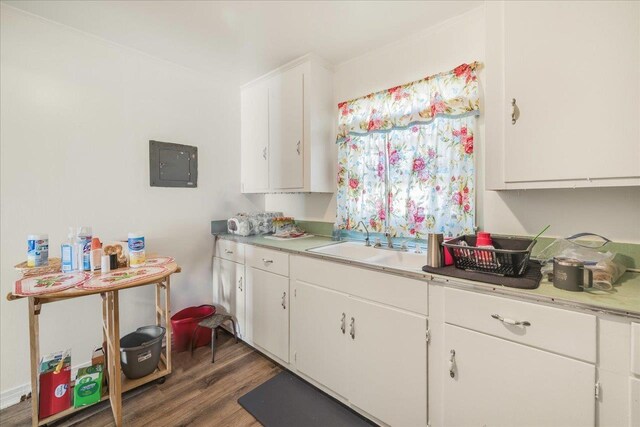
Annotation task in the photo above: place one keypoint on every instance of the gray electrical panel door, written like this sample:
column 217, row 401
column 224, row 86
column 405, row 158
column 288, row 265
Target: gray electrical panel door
column 173, row 165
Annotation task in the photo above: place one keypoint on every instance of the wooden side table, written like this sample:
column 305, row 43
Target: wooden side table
column 118, row 384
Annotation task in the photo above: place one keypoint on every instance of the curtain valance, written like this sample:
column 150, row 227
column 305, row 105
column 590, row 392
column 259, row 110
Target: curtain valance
column 450, row 94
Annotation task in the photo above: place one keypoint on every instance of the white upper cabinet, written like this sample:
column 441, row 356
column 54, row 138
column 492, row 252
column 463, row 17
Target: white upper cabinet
column 255, row 138
column 572, row 69
column 287, row 131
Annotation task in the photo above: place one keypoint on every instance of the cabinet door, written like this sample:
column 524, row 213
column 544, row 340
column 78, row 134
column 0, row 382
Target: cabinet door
column 574, row 70
column 634, row 401
column 228, row 290
column 254, row 138
column 500, row 383
column 387, row 363
column 286, row 140
column 319, row 335
column 267, row 298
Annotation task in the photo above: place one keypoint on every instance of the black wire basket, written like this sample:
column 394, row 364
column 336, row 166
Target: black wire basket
column 509, row 258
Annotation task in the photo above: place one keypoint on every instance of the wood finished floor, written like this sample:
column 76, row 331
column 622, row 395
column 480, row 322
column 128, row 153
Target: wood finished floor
column 197, row 393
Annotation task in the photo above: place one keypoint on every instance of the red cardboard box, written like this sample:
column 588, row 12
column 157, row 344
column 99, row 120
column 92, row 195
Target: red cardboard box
column 55, row 390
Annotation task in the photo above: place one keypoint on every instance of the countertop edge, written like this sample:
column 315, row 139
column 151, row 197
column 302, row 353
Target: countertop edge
column 486, row 288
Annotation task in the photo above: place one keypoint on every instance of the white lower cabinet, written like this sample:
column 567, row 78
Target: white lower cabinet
column 373, row 355
column 634, row 401
column 267, row 311
column 387, row 359
column 319, row 335
column 497, row 382
column 229, row 290
column 363, row 336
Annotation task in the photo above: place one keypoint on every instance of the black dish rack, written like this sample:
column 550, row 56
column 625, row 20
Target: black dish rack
column 509, row 258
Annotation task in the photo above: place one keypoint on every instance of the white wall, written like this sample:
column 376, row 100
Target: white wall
column 77, row 115
column 613, row 212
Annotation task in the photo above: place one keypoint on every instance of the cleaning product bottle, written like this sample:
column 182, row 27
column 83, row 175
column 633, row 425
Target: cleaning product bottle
column 135, row 243
column 37, row 250
column 83, row 237
column 69, row 259
column 96, row 254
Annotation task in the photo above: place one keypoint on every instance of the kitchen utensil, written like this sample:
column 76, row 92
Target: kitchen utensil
column 434, row 250
column 540, row 233
column 571, row 275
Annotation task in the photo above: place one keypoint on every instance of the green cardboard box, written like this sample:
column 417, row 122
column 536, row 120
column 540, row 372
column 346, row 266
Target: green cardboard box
column 88, row 388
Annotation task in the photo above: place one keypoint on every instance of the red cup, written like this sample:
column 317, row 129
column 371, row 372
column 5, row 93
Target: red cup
column 448, row 258
column 483, row 239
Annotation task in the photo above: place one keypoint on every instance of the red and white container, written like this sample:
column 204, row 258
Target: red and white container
column 55, row 384
column 484, row 241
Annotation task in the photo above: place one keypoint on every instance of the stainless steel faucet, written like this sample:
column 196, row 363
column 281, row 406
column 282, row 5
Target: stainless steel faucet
column 367, row 242
column 389, row 241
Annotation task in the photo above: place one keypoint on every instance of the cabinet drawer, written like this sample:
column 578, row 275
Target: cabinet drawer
column 560, row 331
column 229, row 250
column 401, row 292
column 268, row 260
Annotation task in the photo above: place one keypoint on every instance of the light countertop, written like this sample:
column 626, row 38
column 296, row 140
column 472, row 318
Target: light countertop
column 623, row 300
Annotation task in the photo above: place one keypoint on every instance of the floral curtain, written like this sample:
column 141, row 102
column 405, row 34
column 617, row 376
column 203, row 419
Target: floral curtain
column 405, row 157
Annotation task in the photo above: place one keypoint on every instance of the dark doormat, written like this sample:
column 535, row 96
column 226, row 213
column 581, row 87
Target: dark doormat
column 288, row 401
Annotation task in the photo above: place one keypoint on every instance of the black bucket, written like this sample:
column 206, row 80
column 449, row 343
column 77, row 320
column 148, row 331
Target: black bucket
column 140, row 351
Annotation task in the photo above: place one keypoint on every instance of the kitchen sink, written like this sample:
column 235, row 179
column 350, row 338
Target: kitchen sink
column 357, row 251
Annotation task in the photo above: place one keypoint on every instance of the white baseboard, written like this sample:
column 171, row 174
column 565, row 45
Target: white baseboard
column 12, row 396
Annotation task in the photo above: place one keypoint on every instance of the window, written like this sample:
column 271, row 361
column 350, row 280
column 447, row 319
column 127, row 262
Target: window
column 405, row 157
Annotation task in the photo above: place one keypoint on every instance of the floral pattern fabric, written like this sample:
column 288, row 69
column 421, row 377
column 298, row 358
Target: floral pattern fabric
column 361, row 182
column 404, row 175
column 450, row 94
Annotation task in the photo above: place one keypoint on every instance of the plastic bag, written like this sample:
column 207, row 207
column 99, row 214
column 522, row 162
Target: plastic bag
column 606, row 271
column 571, row 247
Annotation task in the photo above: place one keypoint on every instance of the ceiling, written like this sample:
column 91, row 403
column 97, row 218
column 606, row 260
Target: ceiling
column 241, row 40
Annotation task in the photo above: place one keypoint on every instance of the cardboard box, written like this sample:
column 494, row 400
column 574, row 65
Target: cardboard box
column 55, row 381
column 99, row 357
column 88, row 387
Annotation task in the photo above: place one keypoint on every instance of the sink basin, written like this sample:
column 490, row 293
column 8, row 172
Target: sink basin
column 357, row 251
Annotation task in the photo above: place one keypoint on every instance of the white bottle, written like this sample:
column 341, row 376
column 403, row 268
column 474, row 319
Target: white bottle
column 83, row 237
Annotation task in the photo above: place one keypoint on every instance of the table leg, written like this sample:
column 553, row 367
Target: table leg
column 113, row 348
column 167, row 319
column 34, row 341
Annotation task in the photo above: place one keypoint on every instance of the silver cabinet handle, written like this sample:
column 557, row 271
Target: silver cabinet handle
column 352, row 330
column 298, row 147
column 515, row 112
column 227, row 251
column 267, row 261
column 452, row 363
column 284, row 297
column 240, row 283
column 511, row 321
column 343, row 323
column 264, row 153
